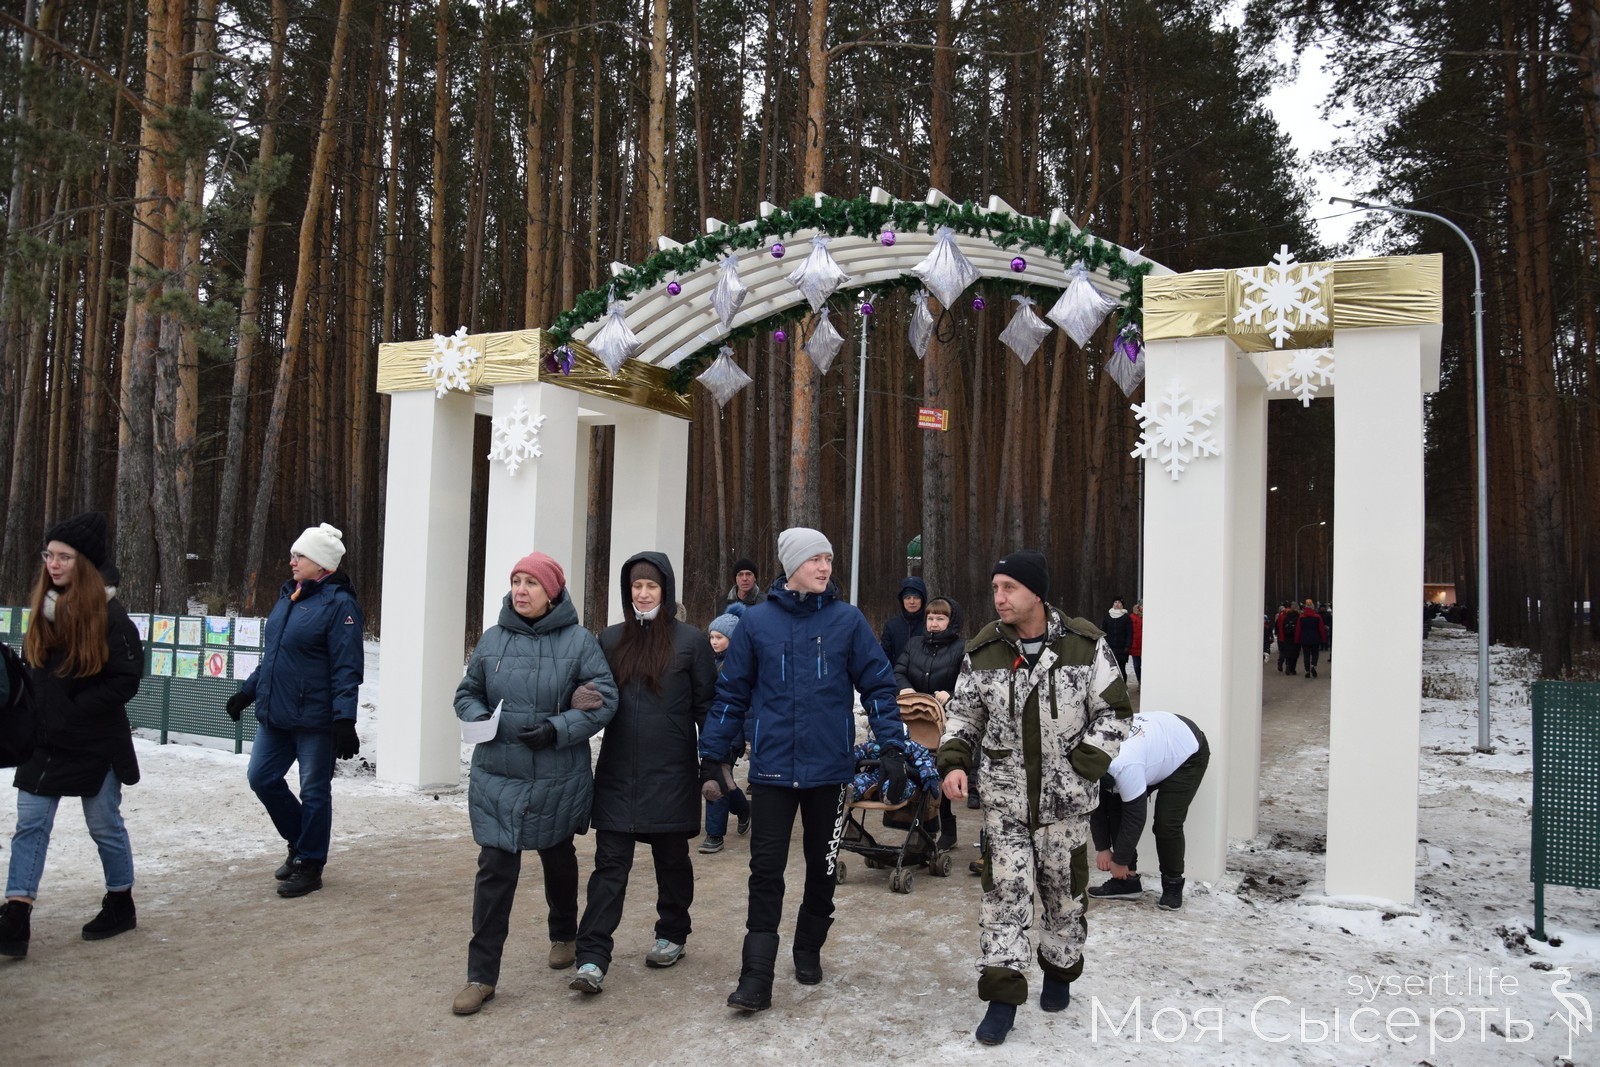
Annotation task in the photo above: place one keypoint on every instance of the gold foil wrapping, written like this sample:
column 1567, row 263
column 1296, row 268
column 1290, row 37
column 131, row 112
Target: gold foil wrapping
column 518, row 355
column 1362, row 293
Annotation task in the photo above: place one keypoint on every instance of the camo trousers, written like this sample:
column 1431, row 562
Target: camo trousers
column 1054, row 860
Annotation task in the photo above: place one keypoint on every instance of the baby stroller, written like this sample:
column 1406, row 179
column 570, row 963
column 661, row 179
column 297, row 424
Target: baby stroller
column 917, row 815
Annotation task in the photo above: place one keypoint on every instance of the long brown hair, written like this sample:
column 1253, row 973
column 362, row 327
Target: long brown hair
column 79, row 627
column 645, row 652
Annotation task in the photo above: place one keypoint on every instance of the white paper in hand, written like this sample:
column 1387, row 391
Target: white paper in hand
column 481, row 730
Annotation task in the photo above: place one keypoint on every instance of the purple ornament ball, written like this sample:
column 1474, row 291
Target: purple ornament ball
column 978, row 304
column 1019, row 264
column 886, row 238
column 778, row 250
column 866, row 307
column 674, row 288
column 780, row 336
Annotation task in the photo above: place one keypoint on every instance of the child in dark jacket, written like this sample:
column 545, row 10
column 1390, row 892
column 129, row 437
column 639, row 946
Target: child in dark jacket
column 930, row 664
column 721, row 632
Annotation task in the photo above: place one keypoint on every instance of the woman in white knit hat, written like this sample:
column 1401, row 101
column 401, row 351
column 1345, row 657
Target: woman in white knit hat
column 305, row 692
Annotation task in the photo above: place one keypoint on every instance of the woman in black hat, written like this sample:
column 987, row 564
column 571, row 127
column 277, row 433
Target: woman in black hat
column 85, row 661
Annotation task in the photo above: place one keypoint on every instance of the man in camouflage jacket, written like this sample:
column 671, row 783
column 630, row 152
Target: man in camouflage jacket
column 1041, row 694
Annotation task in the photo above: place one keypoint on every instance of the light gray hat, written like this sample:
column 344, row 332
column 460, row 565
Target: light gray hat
column 798, row 544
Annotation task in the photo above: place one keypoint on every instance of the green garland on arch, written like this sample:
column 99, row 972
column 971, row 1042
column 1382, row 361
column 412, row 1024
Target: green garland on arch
column 860, row 218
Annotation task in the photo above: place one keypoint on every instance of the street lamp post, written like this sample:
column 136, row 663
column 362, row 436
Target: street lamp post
column 1483, row 455
column 1297, row 533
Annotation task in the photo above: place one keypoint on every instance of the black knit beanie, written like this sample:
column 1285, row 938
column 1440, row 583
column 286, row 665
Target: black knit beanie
column 744, row 565
column 86, row 533
column 1027, row 567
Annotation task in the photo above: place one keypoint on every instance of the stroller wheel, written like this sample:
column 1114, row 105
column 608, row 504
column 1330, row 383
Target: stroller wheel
column 900, row 880
column 939, row 865
column 838, row 873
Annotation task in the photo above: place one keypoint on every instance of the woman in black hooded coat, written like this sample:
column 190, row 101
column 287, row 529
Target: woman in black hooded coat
column 930, row 664
column 647, row 779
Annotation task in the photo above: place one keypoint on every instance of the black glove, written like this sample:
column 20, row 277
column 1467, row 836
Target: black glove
column 892, row 763
column 539, row 735
column 712, row 786
column 237, row 703
column 345, row 742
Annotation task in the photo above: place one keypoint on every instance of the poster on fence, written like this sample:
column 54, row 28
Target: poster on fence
column 217, row 629
column 216, row 665
column 244, row 664
column 161, row 663
column 5, row 620
column 142, row 624
column 187, row 664
column 247, row 633
column 27, row 617
column 162, row 629
column 189, row 630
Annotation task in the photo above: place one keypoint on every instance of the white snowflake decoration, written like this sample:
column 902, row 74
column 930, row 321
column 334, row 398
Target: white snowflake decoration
column 451, row 362
column 1173, row 430
column 1309, row 369
column 1281, row 296
column 515, row 439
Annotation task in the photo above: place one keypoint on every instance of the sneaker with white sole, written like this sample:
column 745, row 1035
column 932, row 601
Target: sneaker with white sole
column 588, row 979
column 710, row 845
column 664, row 954
column 744, row 825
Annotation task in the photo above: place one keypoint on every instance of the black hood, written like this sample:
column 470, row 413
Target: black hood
column 912, row 585
column 669, row 587
column 953, row 631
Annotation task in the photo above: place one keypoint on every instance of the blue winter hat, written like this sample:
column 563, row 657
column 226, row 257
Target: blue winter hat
column 724, row 624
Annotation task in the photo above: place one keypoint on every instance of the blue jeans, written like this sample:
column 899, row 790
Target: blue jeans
column 36, row 815
column 717, row 812
column 305, row 823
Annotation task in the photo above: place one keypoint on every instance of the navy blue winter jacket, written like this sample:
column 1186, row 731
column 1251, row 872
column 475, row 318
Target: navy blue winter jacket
column 311, row 662
column 786, row 684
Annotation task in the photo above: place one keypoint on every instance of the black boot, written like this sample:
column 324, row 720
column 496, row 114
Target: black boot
column 286, row 868
column 997, row 1023
column 305, row 876
column 15, row 925
column 116, row 917
column 1056, row 994
column 1171, row 893
column 755, row 976
column 809, row 934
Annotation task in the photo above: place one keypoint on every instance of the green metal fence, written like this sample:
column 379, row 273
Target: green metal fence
column 1566, row 789
column 192, row 664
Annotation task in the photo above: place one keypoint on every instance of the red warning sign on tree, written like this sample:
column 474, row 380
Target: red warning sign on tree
column 933, row 418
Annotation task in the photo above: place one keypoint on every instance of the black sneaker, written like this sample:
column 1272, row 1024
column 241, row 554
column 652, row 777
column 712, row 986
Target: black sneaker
column 1171, row 893
column 306, row 877
column 1118, row 889
column 117, row 916
column 744, row 825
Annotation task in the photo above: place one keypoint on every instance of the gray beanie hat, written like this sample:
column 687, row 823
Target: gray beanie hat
column 724, row 624
column 798, row 544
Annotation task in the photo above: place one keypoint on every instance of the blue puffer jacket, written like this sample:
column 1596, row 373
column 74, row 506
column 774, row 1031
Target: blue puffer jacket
column 786, row 684
column 312, row 662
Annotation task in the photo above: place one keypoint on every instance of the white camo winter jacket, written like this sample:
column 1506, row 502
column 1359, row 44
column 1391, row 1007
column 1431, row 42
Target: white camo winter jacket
column 1083, row 714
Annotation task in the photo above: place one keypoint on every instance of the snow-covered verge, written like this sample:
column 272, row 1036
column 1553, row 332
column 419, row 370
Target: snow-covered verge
column 1259, row 970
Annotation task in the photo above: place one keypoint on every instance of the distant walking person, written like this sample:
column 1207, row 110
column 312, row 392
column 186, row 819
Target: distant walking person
column 305, row 691
column 1118, row 628
column 1136, row 650
column 530, row 788
column 84, row 663
column 1311, row 635
column 1288, row 641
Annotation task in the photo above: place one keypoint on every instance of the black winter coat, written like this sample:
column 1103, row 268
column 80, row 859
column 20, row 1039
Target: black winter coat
column 83, row 728
column 902, row 625
column 1119, row 631
column 647, row 780
column 932, row 662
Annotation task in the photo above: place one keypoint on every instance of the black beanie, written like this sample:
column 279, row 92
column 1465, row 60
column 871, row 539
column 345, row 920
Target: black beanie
column 643, row 569
column 744, row 565
column 1027, row 567
column 86, row 533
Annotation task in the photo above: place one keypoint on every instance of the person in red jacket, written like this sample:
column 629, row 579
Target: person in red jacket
column 1311, row 635
column 1136, row 650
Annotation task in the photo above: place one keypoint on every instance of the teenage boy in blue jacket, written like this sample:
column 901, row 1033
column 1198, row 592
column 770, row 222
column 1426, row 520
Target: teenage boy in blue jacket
column 787, row 683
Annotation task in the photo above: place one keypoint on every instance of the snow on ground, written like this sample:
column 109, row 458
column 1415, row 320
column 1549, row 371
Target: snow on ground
column 1261, row 969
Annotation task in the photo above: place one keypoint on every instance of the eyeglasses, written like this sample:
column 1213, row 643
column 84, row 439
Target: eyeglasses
column 57, row 557
column 295, row 557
